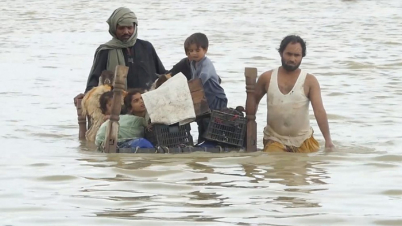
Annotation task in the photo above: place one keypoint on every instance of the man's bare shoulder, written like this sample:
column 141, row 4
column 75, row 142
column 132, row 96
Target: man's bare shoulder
column 263, row 82
column 310, row 76
column 311, row 79
column 262, row 85
column 266, row 76
column 267, row 73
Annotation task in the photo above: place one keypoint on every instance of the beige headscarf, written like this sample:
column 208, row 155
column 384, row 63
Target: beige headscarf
column 124, row 17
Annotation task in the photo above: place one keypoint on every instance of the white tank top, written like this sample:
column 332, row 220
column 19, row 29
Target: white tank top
column 288, row 114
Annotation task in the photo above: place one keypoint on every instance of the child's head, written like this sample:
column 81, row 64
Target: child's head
column 134, row 103
column 105, row 102
column 196, row 46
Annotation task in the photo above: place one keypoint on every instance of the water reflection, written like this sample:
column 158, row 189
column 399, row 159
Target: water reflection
column 141, row 186
column 300, row 176
column 296, row 170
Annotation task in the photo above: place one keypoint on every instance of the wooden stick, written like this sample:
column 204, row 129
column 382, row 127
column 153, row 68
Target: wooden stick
column 112, row 128
column 198, row 95
column 251, row 77
column 82, row 121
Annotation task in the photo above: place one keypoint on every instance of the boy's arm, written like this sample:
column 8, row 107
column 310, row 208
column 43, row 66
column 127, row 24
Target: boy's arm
column 204, row 77
column 206, row 72
column 179, row 67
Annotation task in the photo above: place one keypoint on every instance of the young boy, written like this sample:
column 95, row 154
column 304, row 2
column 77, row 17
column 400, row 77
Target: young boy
column 184, row 65
column 196, row 47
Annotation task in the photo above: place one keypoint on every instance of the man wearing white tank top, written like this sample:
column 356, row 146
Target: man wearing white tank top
column 289, row 92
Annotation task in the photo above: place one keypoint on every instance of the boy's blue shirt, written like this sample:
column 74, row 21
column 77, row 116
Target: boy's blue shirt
column 215, row 94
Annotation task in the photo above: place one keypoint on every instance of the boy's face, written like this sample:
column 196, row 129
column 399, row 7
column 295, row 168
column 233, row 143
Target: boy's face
column 196, row 53
column 109, row 107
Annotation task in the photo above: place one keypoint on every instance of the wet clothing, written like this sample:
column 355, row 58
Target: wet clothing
column 288, row 123
column 214, row 93
column 134, row 143
column 308, row 146
column 143, row 63
column 130, row 127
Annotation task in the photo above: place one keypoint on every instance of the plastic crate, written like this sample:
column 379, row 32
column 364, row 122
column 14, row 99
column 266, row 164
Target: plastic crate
column 227, row 126
column 170, row 135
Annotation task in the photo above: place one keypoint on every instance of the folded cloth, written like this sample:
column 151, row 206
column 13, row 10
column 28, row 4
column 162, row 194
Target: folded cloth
column 171, row 102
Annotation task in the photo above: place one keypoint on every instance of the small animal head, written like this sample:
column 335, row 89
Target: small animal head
column 240, row 109
column 106, row 78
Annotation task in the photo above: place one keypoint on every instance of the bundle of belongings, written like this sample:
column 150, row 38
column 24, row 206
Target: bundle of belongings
column 170, row 110
column 171, row 102
column 171, row 106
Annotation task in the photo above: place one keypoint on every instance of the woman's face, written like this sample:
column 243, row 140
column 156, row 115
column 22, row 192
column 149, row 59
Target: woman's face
column 137, row 104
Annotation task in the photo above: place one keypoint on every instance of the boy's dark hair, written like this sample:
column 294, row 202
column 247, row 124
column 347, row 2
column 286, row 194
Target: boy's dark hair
column 129, row 97
column 199, row 39
column 292, row 39
column 104, row 99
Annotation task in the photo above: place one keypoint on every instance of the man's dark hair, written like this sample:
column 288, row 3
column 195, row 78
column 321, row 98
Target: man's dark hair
column 292, row 39
column 104, row 99
column 199, row 39
column 129, row 97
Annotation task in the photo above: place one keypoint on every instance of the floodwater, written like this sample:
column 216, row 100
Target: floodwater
column 354, row 49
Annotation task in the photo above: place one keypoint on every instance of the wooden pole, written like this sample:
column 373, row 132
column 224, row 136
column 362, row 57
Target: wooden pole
column 251, row 77
column 112, row 128
column 82, row 121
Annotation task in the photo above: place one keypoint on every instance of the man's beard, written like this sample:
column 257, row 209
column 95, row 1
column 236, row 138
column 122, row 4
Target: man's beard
column 125, row 38
column 288, row 67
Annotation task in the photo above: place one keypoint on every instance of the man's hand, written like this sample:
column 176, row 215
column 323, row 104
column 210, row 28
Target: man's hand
column 329, row 144
column 79, row 96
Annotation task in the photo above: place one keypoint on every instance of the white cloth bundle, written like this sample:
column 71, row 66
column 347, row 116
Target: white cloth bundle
column 171, row 103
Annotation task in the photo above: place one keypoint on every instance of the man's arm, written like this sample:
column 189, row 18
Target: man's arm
column 159, row 68
column 93, row 79
column 318, row 108
column 261, row 89
column 99, row 66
